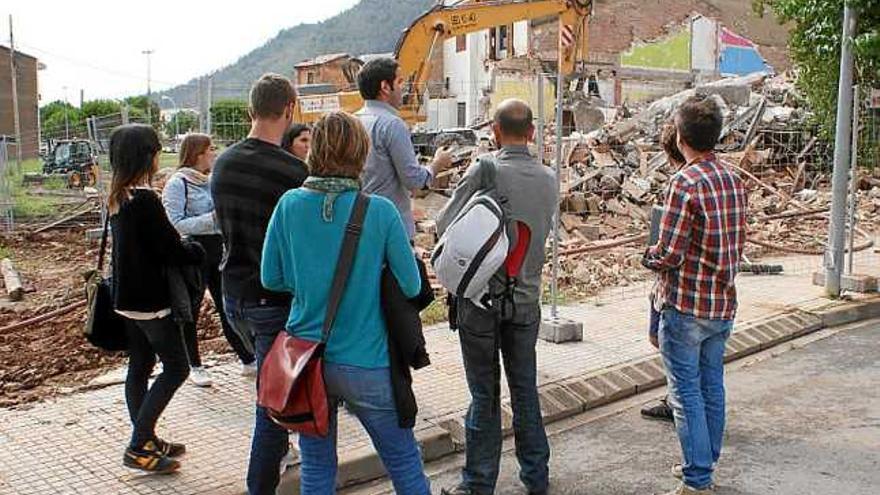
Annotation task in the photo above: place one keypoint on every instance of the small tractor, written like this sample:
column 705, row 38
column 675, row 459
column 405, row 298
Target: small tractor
column 76, row 159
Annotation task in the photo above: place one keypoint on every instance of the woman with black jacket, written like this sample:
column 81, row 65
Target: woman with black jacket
column 144, row 245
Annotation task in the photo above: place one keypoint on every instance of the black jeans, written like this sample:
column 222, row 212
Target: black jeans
column 213, row 246
column 483, row 337
column 146, row 339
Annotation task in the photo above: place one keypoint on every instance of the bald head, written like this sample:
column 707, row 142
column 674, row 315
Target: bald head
column 513, row 121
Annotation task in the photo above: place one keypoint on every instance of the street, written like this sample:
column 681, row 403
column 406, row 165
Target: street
column 805, row 421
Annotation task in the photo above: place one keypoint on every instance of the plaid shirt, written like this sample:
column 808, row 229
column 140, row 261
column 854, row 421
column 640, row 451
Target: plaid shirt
column 702, row 234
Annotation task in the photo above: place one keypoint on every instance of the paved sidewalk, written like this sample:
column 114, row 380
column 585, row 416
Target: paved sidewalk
column 74, row 444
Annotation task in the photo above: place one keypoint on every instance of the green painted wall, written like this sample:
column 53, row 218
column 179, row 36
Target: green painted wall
column 672, row 53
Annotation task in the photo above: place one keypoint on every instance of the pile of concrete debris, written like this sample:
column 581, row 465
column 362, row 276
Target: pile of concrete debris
column 610, row 178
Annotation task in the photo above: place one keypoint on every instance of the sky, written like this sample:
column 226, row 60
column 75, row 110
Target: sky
column 97, row 46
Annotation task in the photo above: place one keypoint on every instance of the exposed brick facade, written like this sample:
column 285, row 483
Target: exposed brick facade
column 616, row 24
column 28, row 100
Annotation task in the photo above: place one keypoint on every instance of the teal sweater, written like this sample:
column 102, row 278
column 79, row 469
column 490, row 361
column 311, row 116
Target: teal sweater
column 299, row 256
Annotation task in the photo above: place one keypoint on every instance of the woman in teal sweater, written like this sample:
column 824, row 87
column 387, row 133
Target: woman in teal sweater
column 299, row 256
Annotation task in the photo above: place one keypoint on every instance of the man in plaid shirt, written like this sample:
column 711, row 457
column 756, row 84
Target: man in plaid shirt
column 702, row 234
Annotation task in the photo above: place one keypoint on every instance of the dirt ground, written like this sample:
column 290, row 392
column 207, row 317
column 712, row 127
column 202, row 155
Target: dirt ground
column 53, row 357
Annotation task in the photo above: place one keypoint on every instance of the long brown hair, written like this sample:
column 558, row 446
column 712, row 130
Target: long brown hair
column 133, row 148
column 193, row 145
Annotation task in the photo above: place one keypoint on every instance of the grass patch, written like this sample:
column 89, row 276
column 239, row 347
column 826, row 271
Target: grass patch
column 55, row 183
column 168, row 160
column 32, row 206
column 435, row 313
column 28, row 205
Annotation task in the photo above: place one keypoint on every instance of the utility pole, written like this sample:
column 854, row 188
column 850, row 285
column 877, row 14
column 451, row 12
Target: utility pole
column 13, row 73
column 148, row 53
column 834, row 256
column 66, row 114
column 209, row 121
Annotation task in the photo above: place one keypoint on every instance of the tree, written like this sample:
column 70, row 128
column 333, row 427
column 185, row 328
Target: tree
column 184, row 120
column 230, row 120
column 100, row 108
column 815, row 43
column 138, row 110
column 58, row 117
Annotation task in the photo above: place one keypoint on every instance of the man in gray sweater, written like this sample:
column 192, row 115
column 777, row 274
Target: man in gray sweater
column 528, row 193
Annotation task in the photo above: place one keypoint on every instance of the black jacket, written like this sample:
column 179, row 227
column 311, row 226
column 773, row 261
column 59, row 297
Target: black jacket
column 186, row 287
column 144, row 245
column 406, row 342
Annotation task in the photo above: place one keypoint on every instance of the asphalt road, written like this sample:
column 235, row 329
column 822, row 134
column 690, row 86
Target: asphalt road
column 805, row 421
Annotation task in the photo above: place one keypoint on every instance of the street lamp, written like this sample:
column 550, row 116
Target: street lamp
column 149, row 92
column 176, row 116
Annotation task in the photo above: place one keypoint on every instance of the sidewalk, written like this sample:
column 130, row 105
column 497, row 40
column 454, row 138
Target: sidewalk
column 74, row 444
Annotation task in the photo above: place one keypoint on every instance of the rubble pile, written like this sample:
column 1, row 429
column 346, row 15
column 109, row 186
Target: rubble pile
column 611, row 176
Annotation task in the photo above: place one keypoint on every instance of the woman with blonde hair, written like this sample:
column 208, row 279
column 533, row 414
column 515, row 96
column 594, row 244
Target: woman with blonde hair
column 188, row 203
column 299, row 256
column 145, row 245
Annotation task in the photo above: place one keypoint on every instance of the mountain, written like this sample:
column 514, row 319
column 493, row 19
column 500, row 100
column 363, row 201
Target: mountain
column 371, row 26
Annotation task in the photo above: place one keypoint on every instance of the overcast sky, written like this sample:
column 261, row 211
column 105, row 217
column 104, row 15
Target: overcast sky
column 96, row 45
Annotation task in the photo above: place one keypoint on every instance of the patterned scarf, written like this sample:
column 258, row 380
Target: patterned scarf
column 333, row 186
column 193, row 176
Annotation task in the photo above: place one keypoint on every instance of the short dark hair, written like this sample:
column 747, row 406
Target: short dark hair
column 514, row 118
column 292, row 133
column 699, row 121
column 372, row 74
column 270, row 96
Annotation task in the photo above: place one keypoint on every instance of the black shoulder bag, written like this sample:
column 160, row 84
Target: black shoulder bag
column 104, row 328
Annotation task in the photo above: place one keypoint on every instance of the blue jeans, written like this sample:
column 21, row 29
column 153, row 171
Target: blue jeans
column 693, row 355
column 483, row 336
column 366, row 393
column 270, row 441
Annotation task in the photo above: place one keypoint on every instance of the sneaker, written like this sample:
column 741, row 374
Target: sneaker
column 169, row 449
column 200, row 377
column 249, row 369
column 289, row 460
column 683, row 489
column 457, row 490
column 660, row 411
column 678, row 470
column 150, row 461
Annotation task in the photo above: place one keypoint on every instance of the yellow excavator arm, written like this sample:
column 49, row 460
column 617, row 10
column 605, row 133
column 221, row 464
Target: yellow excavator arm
column 416, row 46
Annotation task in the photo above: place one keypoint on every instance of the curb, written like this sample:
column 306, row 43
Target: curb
column 575, row 395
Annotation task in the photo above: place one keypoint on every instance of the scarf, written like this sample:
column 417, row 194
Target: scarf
column 193, row 176
column 333, row 187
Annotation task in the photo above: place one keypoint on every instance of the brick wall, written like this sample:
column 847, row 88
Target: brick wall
column 28, row 101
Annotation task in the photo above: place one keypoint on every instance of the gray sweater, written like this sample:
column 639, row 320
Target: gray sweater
column 529, row 192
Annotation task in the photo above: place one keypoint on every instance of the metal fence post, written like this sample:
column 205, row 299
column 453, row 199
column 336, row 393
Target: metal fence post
column 834, row 256
column 540, row 130
column 854, row 178
column 554, row 287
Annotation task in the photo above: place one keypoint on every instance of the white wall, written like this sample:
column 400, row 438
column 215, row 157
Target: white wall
column 442, row 113
column 704, row 44
column 467, row 71
column 521, row 38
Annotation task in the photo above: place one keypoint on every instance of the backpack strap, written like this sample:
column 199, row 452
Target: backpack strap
column 346, row 260
column 185, row 194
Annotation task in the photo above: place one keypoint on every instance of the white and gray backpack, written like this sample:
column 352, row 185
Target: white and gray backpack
column 475, row 244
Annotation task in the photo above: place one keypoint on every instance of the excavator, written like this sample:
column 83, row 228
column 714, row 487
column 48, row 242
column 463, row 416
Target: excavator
column 415, row 48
